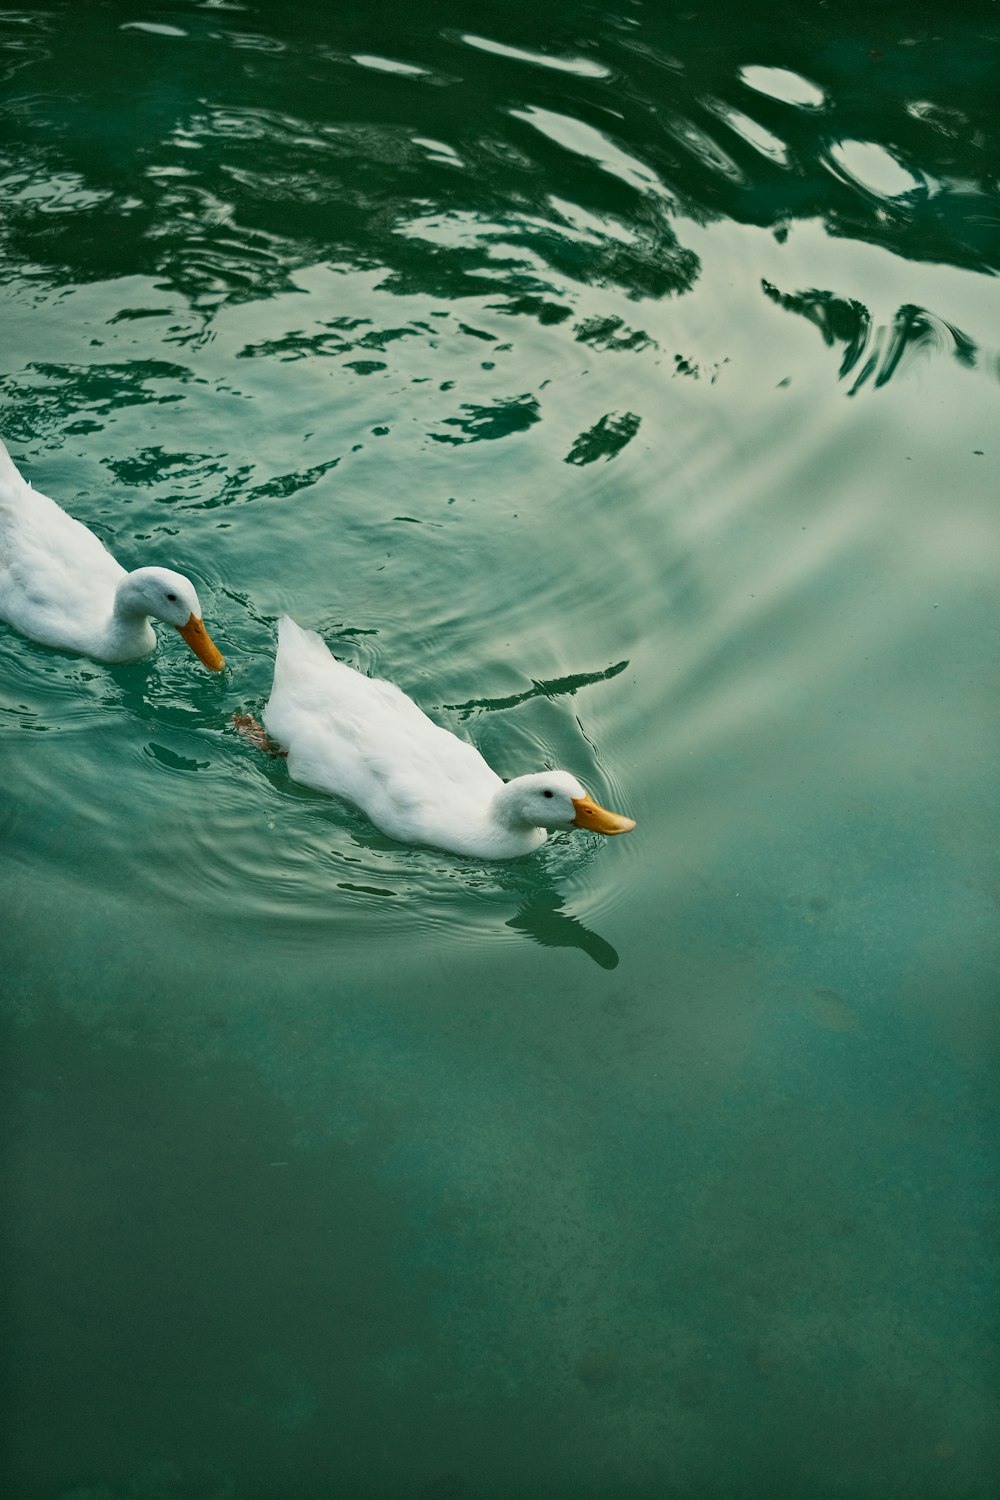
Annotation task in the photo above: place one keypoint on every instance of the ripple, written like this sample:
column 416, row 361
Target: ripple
column 256, row 123
column 438, row 151
column 756, row 135
column 699, row 144
column 556, row 688
column 784, row 85
column 154, row 28
column 587, row 141
column 254, row 41
column 47, row 691
column 54, row 193
column 91, row 391
column 22, row 48
column 605, row 439
column 874, row 351
column 235, row 490
column 580, row 67
column 641, row 257
column 873, row 168
column 501, row 418
column 949, row 122
column 612, row 334
column 174, row 761
column 387, row 65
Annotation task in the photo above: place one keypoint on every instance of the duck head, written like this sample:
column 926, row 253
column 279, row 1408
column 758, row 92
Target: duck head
column 555, row 800
column 170, row 597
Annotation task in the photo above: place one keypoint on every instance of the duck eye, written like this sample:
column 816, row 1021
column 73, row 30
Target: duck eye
column 172, row 598
column 546, row 793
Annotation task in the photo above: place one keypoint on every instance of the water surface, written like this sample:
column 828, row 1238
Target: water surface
column 623, row 383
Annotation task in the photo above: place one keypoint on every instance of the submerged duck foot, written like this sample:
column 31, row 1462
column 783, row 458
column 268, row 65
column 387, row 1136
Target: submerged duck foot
column 253, row 730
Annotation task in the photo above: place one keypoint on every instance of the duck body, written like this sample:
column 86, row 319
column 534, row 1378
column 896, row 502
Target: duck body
column 60, row 585
column 363, row 739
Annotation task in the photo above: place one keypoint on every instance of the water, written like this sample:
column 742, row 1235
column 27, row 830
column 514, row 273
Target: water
column 623, row 383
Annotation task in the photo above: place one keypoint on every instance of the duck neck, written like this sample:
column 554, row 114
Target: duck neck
column 129, row 633
column 520, row 835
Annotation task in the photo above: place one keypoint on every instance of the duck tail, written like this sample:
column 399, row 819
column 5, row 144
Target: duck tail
column 292, row 637
column 301, row 652
column 8, row 469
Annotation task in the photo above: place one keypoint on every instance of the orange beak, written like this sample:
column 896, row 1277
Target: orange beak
column 201, row 644
column 598, row 819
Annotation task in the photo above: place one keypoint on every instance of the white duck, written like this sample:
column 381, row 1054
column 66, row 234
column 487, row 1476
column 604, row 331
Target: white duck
column 59, row 585
column 364, row 739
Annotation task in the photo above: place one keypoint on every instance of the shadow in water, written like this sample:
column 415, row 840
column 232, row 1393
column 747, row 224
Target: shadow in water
column 543, row 919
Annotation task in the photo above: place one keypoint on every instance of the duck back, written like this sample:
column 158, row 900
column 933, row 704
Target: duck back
column 57, row 579
column 363, row 739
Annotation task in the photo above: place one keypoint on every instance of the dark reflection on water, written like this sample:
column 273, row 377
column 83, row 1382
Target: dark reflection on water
column 146, row 168
column 879, row 351
column 554, row 689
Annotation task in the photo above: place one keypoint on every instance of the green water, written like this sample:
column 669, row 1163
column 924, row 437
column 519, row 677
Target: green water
column 623, row 383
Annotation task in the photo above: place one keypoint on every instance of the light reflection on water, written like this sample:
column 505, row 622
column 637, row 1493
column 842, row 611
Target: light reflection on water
column 624, row 386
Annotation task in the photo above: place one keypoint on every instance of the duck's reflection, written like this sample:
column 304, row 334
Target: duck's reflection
column 542, row 917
